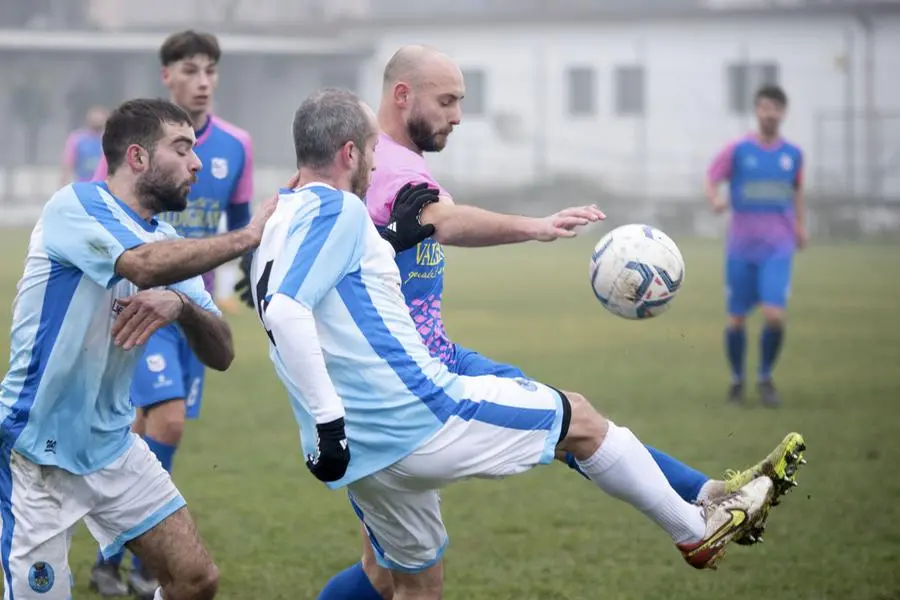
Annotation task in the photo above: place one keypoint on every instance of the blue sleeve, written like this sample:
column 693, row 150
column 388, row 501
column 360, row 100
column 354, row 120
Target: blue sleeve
column 194, row 289
column 81, row 230
column 237, row 216
column 326, row 246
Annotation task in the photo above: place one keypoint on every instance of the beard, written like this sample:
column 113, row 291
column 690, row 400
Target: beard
column 423, row 135
column 359, row 180
column 160, row 192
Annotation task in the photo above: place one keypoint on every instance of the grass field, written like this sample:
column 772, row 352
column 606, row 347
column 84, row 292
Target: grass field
column 276, row 533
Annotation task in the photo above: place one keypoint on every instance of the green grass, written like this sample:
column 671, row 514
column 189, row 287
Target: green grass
column 276, row 533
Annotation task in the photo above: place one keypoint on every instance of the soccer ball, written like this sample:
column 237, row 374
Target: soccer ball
column 636, row 271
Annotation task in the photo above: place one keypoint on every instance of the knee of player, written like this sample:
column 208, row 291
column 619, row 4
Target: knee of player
column 774, row 317
column 587, row 427
column 204, row 583
column 165, row 421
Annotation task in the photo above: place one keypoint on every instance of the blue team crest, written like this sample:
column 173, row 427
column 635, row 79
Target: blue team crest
column 219, row 168
column 41, row 577
column 787, row 163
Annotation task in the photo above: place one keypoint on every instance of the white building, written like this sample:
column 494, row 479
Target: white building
column 642, row 103
column 636, row 100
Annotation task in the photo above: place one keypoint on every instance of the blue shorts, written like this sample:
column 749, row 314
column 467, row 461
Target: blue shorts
column 168, row 370
column 749, row 283
column 471, row 363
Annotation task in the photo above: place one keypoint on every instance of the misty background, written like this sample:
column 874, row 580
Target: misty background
column 618, row 102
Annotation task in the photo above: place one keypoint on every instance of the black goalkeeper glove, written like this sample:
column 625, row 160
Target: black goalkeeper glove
column 332, row 452
column 404, row 230
column 242, row 287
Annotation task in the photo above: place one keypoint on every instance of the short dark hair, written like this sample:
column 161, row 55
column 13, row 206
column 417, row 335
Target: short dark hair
column 326, row 121
column 772, row 92
column 185, row 44
column 140, row 122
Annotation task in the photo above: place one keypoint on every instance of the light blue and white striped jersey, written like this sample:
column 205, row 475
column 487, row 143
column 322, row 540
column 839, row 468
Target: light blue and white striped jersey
column 65, row 399
column 321, row 248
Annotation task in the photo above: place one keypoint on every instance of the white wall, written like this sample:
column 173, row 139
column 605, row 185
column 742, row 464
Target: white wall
column 687, row 117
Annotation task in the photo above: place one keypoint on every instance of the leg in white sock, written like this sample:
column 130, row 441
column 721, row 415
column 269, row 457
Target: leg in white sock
column 623, row 468
column 158, row 595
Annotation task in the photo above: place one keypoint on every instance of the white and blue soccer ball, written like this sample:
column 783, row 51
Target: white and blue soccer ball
column 636, row 271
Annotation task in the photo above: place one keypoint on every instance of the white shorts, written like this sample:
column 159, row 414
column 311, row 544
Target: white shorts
column 40, row 506
column 514, row 426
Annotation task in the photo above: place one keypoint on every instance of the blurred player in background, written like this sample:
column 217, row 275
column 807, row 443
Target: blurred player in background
column 168, row 381
column 421, row 105
column 84, row 148
column 765, row 176
column 383, row 417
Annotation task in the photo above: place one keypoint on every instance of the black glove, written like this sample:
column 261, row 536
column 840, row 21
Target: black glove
column 242, row 287
column 332, row 452
column 404, row 230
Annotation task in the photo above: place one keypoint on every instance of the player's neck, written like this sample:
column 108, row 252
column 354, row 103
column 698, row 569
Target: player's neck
column 124, row 191
column 395, row 130
column 767, row 139
column 200, row 120
column 308, row 176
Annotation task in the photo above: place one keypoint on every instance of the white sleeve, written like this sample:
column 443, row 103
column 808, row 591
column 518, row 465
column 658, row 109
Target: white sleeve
column 294, row 329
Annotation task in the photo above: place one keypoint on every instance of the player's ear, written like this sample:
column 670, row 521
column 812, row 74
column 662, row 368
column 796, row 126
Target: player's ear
column 402, row 94
column 137, row 158
column 349, row 154
column 165, row 74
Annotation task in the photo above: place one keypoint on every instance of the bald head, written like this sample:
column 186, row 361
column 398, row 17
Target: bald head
column 421, row 99
column 419, row 65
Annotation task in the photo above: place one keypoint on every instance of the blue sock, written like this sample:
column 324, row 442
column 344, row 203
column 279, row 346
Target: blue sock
column 736, row 344
column 115, row 559
column 350, row 584
column 770, row 344
column 687, row 482
column 573, row 464
column 165, row 453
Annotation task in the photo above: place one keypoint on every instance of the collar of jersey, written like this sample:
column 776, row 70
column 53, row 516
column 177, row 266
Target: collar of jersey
column 151, row 226
column 312, row 184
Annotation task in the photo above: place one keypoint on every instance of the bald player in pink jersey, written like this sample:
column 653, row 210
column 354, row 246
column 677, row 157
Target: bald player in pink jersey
column 420, row 106
column 168, row 382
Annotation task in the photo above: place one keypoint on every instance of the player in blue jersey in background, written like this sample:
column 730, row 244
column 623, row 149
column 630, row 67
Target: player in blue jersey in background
column 168, row 382
column 420, row 106
column 383, row 417
column 83, row 310
column 84, row 148
column 765, row 178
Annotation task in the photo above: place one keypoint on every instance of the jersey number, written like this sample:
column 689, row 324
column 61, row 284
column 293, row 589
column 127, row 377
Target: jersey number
column 262, row 289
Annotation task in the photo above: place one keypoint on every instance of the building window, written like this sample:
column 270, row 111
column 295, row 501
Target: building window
column 582, row 91
column 475, row 102
column 629, row 87
column 743, row 79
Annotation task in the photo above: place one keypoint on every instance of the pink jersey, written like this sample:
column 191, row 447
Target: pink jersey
column 422, row 267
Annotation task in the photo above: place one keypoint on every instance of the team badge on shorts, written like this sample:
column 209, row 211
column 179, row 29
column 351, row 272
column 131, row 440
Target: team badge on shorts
column 40, row 577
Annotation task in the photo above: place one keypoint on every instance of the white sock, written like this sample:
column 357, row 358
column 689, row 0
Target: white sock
column 623, row 468
column 158, row 595
column 709, row 488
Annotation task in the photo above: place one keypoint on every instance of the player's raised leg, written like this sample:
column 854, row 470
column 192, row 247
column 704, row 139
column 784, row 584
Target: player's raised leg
column 774, row 287
column 619, row 464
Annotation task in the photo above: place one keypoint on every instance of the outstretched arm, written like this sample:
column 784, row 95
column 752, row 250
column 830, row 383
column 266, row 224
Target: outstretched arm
column 461, row 225
column 170, row 261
